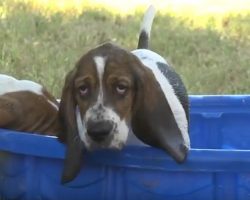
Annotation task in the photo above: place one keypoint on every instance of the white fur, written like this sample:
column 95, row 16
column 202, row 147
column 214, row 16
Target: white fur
column 100, row 67
column 148, row 56
column 81, row 127
column 148, row 20
column 149, row 59
column 53, row 104
column 120, row 134
column 9, row 84
column 120, row 129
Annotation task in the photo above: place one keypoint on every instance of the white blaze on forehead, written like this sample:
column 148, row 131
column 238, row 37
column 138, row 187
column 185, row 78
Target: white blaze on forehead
column 100, row 67
column 150, row 59
column 9, row 84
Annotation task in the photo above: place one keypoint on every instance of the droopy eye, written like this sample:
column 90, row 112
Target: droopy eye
column 84, row 90
column 121, row 89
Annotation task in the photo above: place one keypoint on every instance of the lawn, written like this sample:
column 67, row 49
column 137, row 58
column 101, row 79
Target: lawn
column 208, row 42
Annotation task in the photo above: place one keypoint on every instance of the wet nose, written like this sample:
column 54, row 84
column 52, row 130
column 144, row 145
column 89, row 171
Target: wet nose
column 98, row 131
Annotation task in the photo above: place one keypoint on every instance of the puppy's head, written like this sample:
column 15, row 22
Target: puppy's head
column 109, row 90
column 97, row 100
column 99, row 94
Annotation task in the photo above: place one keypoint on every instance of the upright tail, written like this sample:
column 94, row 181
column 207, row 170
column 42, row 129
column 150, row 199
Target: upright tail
column 145, row 30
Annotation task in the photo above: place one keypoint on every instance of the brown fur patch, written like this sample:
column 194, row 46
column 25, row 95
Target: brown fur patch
column 86, row 75
column 29, row 112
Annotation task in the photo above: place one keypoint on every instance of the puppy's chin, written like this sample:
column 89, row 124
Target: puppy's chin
column 111, row 144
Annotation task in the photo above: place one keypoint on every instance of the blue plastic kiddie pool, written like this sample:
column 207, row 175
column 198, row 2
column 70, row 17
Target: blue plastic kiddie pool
column 217, row 168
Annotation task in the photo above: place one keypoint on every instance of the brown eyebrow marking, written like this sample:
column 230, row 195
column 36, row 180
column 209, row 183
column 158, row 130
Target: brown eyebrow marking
column 88, row 78
column 115, row 78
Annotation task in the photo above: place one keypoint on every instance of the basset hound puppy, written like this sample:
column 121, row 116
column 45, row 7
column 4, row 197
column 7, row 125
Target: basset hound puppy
column 27, row 106
column 112, row 90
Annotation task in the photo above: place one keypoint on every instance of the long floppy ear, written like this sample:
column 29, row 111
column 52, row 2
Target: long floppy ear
column 160, row 115
column 70, row 136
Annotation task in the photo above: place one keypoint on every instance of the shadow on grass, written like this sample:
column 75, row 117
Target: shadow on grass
column 44, row 49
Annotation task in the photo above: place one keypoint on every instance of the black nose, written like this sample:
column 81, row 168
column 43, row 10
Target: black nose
column 98, row 131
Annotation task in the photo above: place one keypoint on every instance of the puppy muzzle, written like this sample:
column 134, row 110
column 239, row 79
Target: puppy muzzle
column 99, row 131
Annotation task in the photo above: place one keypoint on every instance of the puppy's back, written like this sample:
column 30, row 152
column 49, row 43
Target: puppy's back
column 27, row 106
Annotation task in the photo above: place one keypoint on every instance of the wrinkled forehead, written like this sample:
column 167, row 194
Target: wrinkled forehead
column 106, row 60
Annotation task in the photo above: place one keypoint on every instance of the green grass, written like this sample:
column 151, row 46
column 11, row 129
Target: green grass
column 211, row 53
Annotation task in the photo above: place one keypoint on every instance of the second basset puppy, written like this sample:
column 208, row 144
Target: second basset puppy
column 27, row 106
column 112, row 90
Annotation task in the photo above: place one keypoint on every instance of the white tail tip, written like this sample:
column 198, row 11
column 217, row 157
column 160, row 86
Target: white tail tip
column 148, row 20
